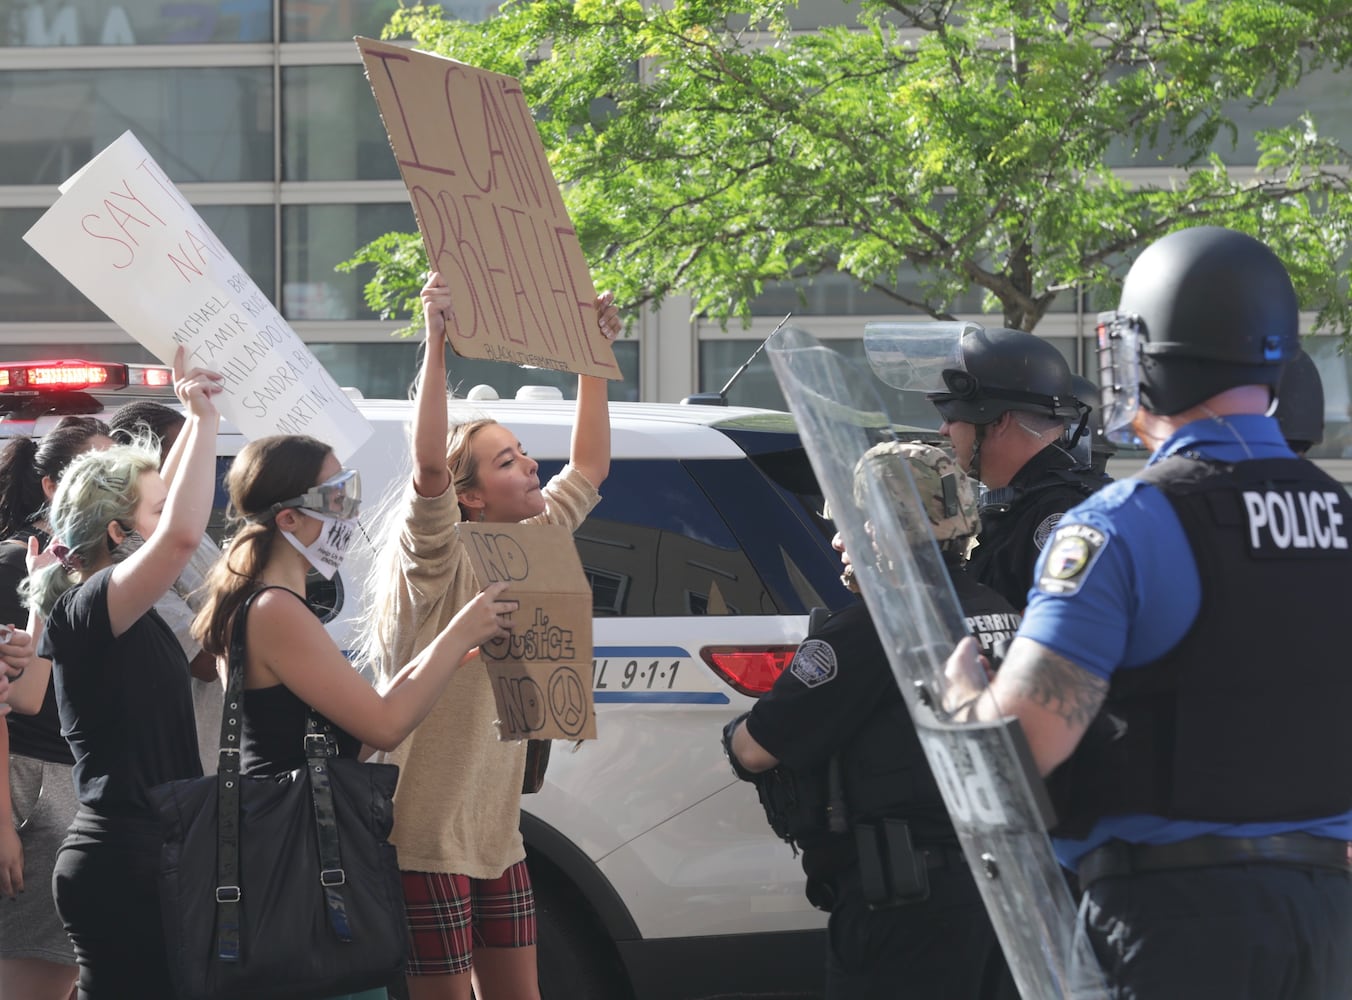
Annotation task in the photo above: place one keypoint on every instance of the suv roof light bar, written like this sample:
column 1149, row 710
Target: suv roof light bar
column 61, row 376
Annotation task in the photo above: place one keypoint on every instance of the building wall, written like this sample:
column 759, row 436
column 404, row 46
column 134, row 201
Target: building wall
column 259, row 111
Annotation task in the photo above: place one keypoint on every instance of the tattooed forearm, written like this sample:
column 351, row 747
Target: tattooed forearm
column 1034, row 673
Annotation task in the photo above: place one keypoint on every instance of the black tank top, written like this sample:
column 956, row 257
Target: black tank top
column 274, row 732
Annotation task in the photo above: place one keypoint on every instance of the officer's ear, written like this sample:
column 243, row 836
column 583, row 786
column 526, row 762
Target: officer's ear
column 1001, row 425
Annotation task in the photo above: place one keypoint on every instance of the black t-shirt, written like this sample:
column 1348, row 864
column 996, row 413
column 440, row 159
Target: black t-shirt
column 125, row 703
column 1048, row 485
column 38, row 736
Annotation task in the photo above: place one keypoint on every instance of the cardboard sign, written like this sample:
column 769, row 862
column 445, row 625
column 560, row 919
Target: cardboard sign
column 123, row 234
column 489, row 211
column 541, row 673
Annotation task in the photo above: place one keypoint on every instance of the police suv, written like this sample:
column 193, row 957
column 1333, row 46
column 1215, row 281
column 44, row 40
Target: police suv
column 656, row 875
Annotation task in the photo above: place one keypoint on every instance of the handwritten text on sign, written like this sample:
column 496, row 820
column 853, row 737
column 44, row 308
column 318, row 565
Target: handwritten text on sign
column 489, row 211
column 128, row 239
column 538, row 672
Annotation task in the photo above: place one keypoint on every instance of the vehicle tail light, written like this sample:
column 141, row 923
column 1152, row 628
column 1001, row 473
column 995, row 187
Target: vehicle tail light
column 750, row 669
column 61, row 376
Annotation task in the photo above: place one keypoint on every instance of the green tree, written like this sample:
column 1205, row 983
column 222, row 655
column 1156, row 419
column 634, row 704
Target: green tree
column 705, row 147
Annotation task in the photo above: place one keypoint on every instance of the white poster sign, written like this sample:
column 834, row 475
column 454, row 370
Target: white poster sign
column 124, row 235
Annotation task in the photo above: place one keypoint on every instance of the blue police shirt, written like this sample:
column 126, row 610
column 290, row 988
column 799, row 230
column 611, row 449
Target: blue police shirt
column 1138, row 598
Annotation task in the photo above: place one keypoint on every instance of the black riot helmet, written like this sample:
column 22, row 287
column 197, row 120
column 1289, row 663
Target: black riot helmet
column 1003, row 370
column 1300, row 403
column 1203, row 310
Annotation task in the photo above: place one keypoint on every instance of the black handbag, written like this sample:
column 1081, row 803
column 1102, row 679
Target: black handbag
column 282, row 886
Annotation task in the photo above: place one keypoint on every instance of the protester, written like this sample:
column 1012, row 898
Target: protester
column 145, row 418
column 298, row 509
column 122, row 684
column 457, row 810
column 37, row 803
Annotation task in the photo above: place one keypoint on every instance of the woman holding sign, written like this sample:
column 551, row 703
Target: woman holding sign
column 122, row 687
column 457, row 811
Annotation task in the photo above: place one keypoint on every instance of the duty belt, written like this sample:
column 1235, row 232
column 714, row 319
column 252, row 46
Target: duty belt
column 1300, row 850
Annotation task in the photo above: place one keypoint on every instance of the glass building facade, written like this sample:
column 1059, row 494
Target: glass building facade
column 259, row 111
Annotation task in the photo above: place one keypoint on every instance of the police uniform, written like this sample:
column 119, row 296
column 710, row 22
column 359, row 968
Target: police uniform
column 1017, row 520
column 851, row 769
column 1208, row 808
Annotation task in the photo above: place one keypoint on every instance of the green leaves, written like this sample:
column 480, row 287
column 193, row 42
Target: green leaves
column 705, row 147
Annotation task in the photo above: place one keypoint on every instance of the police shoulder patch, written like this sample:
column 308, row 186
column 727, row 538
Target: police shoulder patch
column 1044, row 530
column 815, row 663
column 1071, row 555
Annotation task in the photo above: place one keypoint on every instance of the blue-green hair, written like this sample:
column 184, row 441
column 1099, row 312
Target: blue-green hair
column 97, row 487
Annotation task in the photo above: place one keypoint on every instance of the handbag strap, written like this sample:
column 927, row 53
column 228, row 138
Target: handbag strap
column 319, row 747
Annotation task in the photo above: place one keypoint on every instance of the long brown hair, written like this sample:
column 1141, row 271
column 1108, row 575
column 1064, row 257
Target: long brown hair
column 266, row 471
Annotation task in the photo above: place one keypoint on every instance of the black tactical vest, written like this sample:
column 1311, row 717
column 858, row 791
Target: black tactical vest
column 882, row 772
column 1012, row 516
column 1247, row 718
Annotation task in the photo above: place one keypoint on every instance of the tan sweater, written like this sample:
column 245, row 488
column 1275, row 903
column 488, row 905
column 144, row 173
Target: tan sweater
column 457, row 807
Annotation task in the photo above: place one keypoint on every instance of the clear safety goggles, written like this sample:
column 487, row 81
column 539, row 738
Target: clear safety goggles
column 1119, row 358
column 338, row 497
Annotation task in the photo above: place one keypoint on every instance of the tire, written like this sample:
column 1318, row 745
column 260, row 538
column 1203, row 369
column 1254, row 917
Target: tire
column 575, row 957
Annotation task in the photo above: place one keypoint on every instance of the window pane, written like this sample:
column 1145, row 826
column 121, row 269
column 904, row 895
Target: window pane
column 1325, row 95
column 335, row 20
column 135, row 22
column 317, row 237
column 331, row 127
column 200, row 124
column 34, row 291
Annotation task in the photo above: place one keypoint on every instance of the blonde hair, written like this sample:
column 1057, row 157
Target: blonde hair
column 376, row 641
column 97, row 487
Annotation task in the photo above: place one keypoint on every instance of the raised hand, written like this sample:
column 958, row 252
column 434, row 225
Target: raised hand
column 195, row 387
column 436, row 300
column 607, row 316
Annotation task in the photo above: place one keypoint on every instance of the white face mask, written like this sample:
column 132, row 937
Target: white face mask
column 326, row 553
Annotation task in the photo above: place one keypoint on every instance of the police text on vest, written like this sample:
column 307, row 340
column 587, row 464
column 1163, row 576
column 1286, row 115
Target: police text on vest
column 1289, row 519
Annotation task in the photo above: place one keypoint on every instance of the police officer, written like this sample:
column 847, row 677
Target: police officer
column 841, row 773
column 1300, row 404
column 1198, row 746
column 1005, row 410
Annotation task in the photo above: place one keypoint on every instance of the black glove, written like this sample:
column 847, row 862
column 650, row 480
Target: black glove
column 737, row 767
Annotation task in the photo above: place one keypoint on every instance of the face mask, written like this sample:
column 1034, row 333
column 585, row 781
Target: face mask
column 326, row 553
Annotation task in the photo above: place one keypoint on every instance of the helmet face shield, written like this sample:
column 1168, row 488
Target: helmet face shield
column 338, row 497
column 1119, row 355
column 916, row 356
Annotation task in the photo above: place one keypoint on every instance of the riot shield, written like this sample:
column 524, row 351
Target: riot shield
column 989, row 783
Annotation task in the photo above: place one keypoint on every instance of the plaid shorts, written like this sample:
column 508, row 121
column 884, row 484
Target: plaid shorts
column 450, row 915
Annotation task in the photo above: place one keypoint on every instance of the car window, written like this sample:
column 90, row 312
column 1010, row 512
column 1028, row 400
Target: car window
column 717, row 537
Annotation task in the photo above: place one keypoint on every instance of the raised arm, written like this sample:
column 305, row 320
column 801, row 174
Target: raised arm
column 142, row 579
column 431, row 476
column 589, row 451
